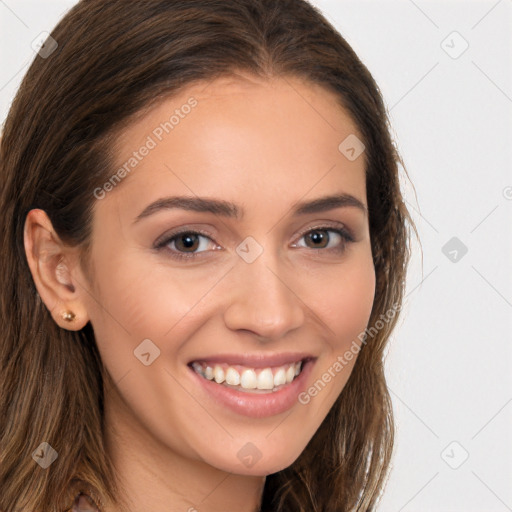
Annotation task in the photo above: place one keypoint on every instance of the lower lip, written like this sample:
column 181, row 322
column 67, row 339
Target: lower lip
column 257, row 405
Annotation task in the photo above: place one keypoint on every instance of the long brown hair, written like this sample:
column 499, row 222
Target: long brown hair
column 114, row 59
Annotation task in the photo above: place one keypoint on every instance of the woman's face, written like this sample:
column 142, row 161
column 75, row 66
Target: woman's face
column 236, row 278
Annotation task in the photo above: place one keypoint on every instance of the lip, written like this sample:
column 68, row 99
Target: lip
column 255, row 360
column 253, row 405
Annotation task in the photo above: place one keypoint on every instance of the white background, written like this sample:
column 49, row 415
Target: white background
column 450, row 360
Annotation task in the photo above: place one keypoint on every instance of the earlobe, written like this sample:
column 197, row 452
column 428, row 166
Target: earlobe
column 51, row 264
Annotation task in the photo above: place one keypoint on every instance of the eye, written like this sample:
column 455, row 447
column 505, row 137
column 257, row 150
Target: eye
column 319, row 238
column 187, row 241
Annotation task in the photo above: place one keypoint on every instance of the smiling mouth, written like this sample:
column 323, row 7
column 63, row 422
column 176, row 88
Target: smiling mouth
column 247, row 379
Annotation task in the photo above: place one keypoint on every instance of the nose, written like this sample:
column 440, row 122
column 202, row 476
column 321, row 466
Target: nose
column 263, row 300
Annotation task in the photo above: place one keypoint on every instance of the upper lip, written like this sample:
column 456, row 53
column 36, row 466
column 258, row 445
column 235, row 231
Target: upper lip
column 256, row 360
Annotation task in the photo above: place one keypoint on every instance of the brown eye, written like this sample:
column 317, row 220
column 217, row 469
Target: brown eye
column 187, row 242
column 319, row 238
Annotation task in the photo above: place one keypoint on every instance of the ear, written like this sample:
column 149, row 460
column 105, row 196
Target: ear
column 55, row 270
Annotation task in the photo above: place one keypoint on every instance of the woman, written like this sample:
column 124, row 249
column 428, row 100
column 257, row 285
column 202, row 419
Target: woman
column 204, row 250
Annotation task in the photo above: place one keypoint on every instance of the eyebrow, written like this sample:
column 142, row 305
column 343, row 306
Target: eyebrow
column 231, row 210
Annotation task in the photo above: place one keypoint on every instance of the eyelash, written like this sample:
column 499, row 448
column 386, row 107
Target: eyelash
column 162, row 246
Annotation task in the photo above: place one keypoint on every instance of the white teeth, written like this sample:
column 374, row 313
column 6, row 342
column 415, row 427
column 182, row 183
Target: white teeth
column 280, row 377
column 218, row 374
column 208, row 372
column 249, row 378
column 232, row 377
column 266, row 379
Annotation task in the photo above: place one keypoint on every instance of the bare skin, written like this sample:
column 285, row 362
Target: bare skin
column 263, row 145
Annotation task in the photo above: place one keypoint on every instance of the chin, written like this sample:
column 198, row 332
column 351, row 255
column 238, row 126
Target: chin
column 249, row 460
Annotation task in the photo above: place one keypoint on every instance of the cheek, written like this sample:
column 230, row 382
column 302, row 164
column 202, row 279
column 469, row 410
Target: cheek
column 135, row 296
column 121, row 308
column 347, row 301
column 345, row 308
column 137, row 301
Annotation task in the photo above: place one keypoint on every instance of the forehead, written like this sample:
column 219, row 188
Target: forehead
column 240, row 134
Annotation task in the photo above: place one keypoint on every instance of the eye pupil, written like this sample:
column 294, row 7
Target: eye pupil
column 318, row 236
column 190, row 240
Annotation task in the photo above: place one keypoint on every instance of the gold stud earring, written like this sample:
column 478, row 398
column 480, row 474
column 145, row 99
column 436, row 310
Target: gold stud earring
column 69, row 316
